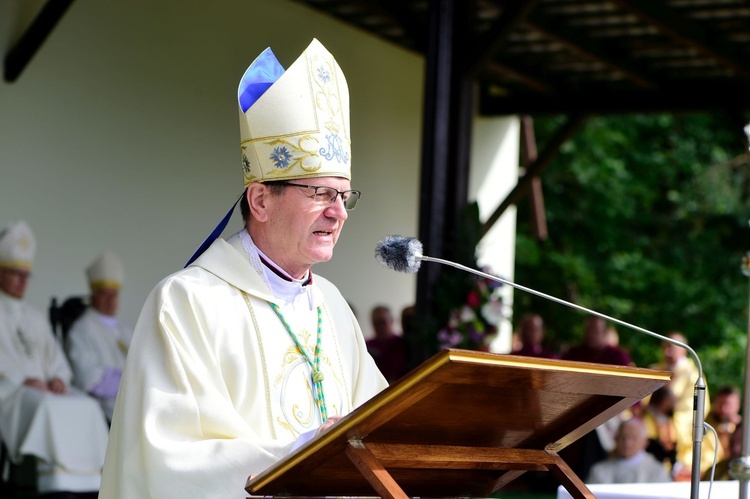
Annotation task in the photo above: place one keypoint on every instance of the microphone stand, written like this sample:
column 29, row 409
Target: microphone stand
column 699, row 392
column 739, row 468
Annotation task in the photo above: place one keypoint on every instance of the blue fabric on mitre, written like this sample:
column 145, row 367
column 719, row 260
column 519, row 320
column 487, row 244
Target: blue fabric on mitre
column 259, row 76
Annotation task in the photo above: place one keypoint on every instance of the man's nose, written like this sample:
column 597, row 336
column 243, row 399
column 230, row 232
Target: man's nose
column 337, row 209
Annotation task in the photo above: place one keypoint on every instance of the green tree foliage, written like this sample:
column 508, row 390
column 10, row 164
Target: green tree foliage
column 648, row 222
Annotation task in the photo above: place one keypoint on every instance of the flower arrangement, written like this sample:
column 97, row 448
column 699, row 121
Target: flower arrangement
column 466, row 310
column 473, row 324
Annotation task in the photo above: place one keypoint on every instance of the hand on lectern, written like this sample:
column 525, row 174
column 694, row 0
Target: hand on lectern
column 327, row 425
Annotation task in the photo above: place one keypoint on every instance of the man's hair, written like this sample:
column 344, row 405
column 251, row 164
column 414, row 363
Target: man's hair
column 275, row 187
column 637, row 423
column 660, row 395
column 727, row 390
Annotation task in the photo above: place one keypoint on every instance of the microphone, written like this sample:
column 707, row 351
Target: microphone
column 404, row 254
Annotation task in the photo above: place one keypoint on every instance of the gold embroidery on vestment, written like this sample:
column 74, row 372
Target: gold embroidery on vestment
column 263, row 362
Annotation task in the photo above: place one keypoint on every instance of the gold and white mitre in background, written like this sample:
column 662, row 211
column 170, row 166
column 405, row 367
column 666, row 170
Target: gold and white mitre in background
column 105, row 272
column 17, row 246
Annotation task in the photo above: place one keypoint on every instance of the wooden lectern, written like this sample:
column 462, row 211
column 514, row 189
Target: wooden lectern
column 463, row 424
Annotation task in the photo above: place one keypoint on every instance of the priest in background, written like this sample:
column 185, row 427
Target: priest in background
column 629, row 462
column 98, row 341
column 40, row 415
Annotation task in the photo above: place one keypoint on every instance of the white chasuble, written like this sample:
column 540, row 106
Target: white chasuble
column 215, row 390
column 93, row 347
column 27, row 346
column 291, row 387
column 68, row 432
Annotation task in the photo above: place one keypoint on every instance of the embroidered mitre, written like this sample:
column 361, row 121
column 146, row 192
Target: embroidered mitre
column 17, row 246
column 297, row 124
column 105, row 272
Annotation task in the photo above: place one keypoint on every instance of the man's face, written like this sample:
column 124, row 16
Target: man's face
column 382, row 322
column 13, row 281
column 301, row 233
column 105, row 301
column 726, row 407
column 595, row 333
column 532, row 330
column 673, row 353
column 630, row 440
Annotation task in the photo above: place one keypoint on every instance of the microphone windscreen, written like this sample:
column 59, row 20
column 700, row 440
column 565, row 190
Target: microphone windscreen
column 402, row 254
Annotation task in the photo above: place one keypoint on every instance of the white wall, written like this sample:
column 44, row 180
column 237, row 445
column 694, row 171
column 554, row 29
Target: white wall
column 494, row 173
column 122, row 133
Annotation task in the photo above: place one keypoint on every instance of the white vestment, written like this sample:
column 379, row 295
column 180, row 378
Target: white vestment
column 215, row 390
column 684, row 375
column 641, row 468
column 94, row 346
column 68, row 432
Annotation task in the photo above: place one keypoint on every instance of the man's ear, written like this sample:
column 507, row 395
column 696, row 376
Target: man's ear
column 257, row 200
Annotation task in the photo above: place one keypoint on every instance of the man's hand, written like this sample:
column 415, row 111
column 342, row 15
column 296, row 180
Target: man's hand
column 56, row 385
column 327, row 425
column 36, row 383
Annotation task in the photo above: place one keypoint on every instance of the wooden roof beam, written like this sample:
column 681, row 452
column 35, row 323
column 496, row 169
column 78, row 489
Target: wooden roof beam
column 608, row 56
column 23, row 51
column 689, row 32
column 489, row 43
column 536, row 168
column 414, row 28
column 528, row 157
column 680, row 97
column 496, row 71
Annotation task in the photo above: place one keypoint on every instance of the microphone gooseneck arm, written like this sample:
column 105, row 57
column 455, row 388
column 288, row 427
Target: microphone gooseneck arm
column 568, row 304
column 699, row 393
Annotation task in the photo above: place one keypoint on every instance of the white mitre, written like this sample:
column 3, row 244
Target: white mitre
column 299, row 126
column 294, row 124
column 17, row 246
column 105, row 272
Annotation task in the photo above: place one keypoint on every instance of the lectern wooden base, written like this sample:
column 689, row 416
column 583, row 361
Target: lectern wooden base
column 464, row 424
column 372, row 461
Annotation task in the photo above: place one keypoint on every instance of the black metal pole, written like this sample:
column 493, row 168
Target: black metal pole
column 448, row 109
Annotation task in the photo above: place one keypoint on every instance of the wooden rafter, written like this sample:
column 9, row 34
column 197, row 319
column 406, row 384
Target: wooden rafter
column 689, row 32
column 557, row 57
column 414, row 28
column 494, row 70
column 486, row 46
column 528, row 157
column 23, row 51
column 535, row 169
column 600, row 52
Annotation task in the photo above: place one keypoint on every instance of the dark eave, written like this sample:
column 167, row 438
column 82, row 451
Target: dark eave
column 592, row 56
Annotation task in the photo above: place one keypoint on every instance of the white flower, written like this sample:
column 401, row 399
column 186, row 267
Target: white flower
column 492, row 311
column 467, row 314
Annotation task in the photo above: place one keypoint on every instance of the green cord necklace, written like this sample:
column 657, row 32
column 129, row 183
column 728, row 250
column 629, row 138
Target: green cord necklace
column 317, row 374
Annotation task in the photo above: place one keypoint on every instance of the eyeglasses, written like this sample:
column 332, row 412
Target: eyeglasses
column 326, row 196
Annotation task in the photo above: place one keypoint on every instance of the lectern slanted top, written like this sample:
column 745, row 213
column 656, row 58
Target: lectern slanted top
column 464, row 423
